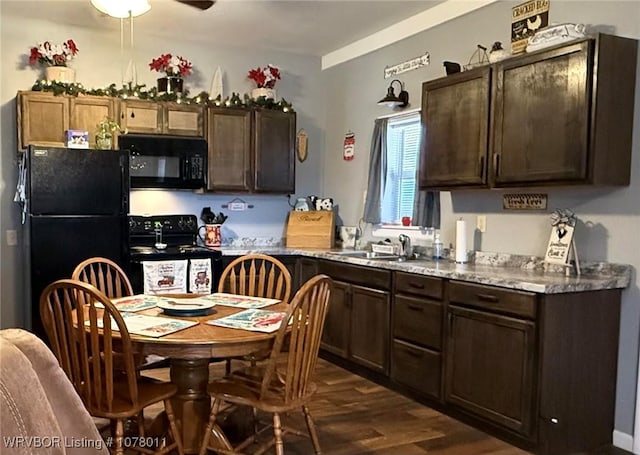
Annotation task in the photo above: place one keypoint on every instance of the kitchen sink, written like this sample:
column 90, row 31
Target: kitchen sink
column 369, row 255
column 372, row 255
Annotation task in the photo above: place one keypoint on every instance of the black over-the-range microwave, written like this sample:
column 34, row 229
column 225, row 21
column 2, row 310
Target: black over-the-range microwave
column 169, row 162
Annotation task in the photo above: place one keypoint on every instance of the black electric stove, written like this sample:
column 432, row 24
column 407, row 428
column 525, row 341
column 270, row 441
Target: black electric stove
column 164, row 238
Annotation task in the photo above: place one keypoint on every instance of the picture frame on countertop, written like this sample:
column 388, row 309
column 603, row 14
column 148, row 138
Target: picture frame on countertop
column 561, row 248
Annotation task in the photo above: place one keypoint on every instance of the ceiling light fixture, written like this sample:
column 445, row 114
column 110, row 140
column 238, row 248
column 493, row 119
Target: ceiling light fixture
column 391, row 100
column 122, row 9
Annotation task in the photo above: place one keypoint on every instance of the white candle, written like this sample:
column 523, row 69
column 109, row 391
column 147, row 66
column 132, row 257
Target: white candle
column 461, row 241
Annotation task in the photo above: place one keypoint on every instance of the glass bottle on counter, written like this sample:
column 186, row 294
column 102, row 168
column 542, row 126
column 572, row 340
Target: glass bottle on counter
column 437, row 247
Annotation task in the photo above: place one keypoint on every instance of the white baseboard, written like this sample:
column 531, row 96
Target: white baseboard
column 623, row 440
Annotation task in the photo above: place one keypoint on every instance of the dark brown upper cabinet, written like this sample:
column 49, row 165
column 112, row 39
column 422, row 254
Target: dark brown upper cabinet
column 554, row 117
column 455, row 125
column 251, row 150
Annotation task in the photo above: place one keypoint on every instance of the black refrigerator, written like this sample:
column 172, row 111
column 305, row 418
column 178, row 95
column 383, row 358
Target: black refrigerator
column 77, row 201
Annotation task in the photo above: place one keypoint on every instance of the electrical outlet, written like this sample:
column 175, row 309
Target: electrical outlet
column 12, row 237
column 481, row 223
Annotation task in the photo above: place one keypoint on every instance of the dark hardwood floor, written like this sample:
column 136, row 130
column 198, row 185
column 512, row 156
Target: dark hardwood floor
column 355, row 416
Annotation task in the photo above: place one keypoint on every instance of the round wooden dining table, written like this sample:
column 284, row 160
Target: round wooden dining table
column 190, row 351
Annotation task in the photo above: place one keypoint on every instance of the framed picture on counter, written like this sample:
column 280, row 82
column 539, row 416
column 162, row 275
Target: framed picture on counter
column 560, row 244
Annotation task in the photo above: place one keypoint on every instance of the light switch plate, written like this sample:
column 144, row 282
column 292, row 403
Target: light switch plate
column 12, row 237
column 481, row 223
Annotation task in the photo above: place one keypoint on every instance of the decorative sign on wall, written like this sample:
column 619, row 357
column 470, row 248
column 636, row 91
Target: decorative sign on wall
column 526, row 19
column 409, row 65
column 524, row 201
column 302, row 144
column 349, row 146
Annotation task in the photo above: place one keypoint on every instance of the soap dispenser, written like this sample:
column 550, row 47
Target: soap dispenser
column 437, row 246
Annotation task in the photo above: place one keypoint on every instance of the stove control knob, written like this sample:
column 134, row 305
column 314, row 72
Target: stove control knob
column 190, row 222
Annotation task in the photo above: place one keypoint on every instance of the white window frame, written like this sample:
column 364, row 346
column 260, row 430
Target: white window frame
column 392, row 158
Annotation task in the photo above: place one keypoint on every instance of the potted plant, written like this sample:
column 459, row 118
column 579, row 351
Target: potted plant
column 104, row 133
column 55, row 57
column 265, row 79
column 175, row 68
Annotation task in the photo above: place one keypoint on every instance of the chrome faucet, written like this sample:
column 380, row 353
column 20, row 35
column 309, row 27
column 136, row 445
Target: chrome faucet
column 405, row 246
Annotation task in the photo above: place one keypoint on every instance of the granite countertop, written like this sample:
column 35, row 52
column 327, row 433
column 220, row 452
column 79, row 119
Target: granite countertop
column 526, row 273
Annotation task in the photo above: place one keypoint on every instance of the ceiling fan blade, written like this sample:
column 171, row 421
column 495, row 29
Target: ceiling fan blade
column 200, row 4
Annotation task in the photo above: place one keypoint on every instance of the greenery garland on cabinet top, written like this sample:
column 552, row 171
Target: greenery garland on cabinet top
column 140, row 92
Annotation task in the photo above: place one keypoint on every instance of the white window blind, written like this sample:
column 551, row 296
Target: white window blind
column 403, row 151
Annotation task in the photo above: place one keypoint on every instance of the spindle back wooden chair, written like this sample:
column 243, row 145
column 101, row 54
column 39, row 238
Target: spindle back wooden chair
column 105, row 275
column 255, row 275
column 276, row 387
column 109, row 278
column 89, row 337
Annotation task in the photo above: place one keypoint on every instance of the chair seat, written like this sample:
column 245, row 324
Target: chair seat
column 243, row 388
column 150, row 391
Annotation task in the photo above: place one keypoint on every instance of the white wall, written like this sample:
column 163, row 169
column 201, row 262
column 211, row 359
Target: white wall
column 98, row 65
column 610, row 218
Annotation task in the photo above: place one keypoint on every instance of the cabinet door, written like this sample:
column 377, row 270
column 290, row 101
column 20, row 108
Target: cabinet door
column 139, row 116
column 541, row 117
column 335, row 335
column 455, row 122
column 489, row 369
column 274, row 143
column 370, row 320
column 43, row 119
column 182, row 120
column 306, row 268
column 88, row 111
column 229, row 139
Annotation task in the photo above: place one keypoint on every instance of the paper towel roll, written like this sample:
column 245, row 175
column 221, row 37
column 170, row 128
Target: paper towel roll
column 461, row 241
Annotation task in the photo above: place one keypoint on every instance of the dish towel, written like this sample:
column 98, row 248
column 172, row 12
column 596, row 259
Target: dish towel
column 165, row 277
column 200, row 279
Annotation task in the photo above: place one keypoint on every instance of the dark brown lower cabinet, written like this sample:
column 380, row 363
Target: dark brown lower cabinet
column 305, row 269
column 416, row 367
column 357, row 324
column 539, row 368
column 490, row 366
column 369, row 331
column 335, row 335
column 536, row 369
column 416, row 353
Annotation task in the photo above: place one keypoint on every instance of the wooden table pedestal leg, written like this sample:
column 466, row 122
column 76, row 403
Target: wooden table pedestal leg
column 192, row 403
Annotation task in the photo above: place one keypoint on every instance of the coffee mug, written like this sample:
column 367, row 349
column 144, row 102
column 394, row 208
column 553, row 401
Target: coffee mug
column 212, row 235
column 406, row 221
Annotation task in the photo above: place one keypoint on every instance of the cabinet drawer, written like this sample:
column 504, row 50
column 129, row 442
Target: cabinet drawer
column 366, row 276
column 410, row 283
column 418, row 321
column 488, row 297
column 416, row 367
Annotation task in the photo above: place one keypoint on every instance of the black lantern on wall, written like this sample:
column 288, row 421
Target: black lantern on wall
column 391, row 100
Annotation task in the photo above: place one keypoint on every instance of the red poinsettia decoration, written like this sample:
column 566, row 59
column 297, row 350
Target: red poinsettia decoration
column 173, row 66
column 265, row 77
column 49, row 54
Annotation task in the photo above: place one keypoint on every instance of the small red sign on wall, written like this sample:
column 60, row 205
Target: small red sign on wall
column 349, row 146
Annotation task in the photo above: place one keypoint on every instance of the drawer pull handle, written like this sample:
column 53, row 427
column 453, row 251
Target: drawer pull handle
column 416, row 285
column 415, row 307
column 488, row 297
